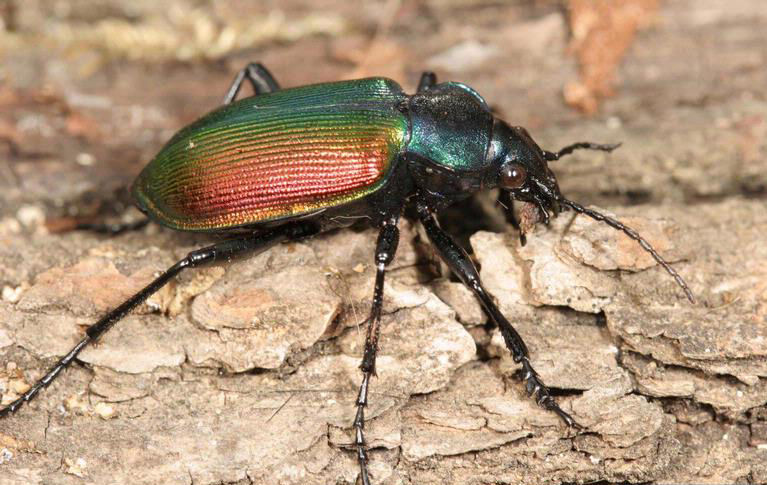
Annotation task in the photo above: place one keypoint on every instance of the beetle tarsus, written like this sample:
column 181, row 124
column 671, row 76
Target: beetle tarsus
column 43, row 382
column 542, row 395
column 359, row 428
column 260, row 78
column 223, row 250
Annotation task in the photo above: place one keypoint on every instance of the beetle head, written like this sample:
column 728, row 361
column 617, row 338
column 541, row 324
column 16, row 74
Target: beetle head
column 523, row 171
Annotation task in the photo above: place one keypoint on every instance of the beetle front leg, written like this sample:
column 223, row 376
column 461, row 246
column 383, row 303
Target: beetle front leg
column 386, row 247
column 223, row 250
column 260, row 78
column 461, row 265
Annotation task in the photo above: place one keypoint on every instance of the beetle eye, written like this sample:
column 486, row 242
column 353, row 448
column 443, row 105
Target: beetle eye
column 513, row 176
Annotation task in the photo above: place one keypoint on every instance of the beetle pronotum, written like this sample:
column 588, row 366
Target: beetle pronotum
column 288, row 164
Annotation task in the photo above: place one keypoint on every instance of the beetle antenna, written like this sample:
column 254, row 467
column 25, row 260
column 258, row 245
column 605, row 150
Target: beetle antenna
column 636, row 237
column 586, row 145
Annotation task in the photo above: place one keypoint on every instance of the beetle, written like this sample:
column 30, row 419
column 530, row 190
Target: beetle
column 286, row 164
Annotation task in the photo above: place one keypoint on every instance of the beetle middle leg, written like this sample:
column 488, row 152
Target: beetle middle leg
column 223, row 250
column 386, row 247
column 461, row 265
column 260, row 78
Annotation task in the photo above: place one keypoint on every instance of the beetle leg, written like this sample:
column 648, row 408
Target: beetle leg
column 386, row 247
column 461, row 264
column 221, row 251
column 586, row 145
column 428, row 79
column 260, row 78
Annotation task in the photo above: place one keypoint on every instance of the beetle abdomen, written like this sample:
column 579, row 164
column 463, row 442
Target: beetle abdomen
column 276, row 156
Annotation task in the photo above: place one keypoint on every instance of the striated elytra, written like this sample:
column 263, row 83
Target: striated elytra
column 277, row 156
column 287, row 164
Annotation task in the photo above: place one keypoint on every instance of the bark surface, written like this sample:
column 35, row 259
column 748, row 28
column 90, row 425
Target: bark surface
column 247, row 372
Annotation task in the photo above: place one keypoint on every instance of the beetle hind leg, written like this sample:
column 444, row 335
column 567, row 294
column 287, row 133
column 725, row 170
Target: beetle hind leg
column 221, row 251
column 386, row 247
column 260, row 78
column 461, row 265
column 542, row 395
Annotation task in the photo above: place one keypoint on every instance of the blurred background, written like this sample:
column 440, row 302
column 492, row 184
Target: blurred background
column 91, row 89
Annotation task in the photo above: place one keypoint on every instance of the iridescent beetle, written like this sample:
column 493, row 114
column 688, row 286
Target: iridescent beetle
column 287, row 164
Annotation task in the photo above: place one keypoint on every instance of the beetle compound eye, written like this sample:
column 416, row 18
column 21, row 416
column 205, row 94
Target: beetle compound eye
column 513, row 176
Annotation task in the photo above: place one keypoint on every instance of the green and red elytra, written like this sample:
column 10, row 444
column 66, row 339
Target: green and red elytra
column 288, row 164
column 277, row 156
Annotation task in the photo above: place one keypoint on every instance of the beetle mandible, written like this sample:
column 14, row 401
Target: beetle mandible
column 287, row 164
